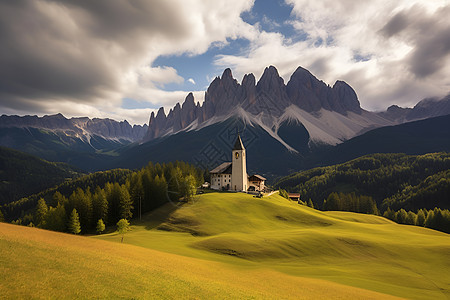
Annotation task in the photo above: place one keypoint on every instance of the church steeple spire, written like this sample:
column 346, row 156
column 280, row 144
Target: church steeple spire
column 238, row 144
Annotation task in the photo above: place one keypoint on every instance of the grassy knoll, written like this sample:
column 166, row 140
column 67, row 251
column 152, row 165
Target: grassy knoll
column 358, row 250
column 41, row 264
column 227, row 245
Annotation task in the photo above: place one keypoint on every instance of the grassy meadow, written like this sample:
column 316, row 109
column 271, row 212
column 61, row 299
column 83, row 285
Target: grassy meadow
column 231, row 245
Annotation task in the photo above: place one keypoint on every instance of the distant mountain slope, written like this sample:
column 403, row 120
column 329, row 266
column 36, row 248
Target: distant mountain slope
column 418, row 137
column 426, row 108
column 22, row 174
column 86, row 143
column 393, row 180
column 59, row 147
column 211, row 145
column 82, row 128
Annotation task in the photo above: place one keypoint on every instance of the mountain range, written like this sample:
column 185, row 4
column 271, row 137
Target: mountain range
column 288, row 127
column 330, row 115
column 89, row 144
column 83, row 128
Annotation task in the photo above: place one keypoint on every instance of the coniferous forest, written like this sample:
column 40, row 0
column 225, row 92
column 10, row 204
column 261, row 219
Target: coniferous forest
column 84, row 204
column 408, row 189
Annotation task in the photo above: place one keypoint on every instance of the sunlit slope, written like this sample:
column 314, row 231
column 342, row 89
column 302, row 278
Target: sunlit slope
column 36, row 263
column 359, row 250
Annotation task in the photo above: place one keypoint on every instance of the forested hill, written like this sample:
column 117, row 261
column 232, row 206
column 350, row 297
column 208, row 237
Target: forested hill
column 107, row 196
column 23, row 174
column 394, row 181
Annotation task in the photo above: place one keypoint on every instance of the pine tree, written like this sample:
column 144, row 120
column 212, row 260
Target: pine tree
column 411, row 218
column 100, row 226
column 400, row 216
column 99, row 204
column 125, row 203
column 56, row 218
column 58, row 198
column 2, row 218
column 74, row 223
column 420, row 220
column 310, row 203
column 41, row 212
column 429, row 221
column 390, row 214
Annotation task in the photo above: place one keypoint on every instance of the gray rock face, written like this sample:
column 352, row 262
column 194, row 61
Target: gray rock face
column 430, row 107
column 269, row 96
column 311, row 94
column 106, row 128
column 426, row 108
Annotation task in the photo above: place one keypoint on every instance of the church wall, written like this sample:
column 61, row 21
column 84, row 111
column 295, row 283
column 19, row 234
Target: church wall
column 239, row 180
column 220, row 180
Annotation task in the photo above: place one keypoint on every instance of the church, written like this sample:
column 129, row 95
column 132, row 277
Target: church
column 232, row 176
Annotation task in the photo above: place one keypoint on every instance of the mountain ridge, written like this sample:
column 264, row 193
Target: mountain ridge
column 82, row 127
column 267, row 103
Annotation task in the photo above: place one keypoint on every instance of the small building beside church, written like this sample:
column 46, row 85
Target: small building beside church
column 233, row 175
column 256, row 183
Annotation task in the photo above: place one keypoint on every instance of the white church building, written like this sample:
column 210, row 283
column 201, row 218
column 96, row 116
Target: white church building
column 233, row 176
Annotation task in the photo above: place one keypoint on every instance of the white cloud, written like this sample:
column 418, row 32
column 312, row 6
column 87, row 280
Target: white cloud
column 341, row 33
column 92, row 55
column 83, row 58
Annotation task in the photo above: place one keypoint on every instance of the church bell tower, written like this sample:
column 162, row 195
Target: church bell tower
column 239, row 179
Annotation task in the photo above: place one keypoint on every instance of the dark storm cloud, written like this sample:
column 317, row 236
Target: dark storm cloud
column 396, row 24
column 432, row 44
column 75, row 49
column 122, row 20
column 428, row 34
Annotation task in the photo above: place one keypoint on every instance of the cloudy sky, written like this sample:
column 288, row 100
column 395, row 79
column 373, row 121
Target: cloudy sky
column 125, row 59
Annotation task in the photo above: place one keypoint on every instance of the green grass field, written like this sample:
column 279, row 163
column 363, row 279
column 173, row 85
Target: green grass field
column 227, row 245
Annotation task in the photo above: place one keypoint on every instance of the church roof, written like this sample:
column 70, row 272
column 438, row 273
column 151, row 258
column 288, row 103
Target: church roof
column 238, row 144
column 224, row 168
column 259, row 177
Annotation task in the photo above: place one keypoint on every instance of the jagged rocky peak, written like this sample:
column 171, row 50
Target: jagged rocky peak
column 312, row 94
column 227, row 74
column 188, row 111
column 249, row 89
column 270, row 96
column 346, row 98
column 270, row 80
column 306, row 91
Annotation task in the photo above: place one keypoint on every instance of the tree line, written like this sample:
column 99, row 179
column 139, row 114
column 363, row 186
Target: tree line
column 377, row 184
column 436, row 218
column 91, row 206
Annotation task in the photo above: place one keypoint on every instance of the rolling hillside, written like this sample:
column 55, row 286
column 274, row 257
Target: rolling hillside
column 228, row 245
column 22, row 174
column 363, row 251
column 56, row 265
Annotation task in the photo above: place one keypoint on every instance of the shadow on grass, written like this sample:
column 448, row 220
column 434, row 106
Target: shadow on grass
column 156, row 217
